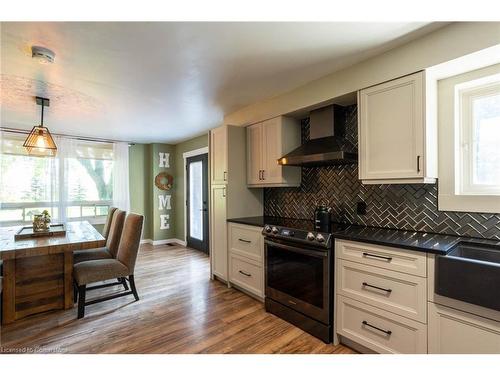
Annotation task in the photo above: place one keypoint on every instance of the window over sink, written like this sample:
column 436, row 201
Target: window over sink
column 477, row 104
column 469, row 141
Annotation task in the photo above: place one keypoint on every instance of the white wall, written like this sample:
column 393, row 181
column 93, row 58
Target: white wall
column 447, row 43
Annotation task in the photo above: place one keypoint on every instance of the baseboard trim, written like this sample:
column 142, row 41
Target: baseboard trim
column 164, row 242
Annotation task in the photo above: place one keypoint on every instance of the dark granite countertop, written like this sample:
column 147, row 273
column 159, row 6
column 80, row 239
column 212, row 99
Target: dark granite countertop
column 434, row 243
column 411, row 240
column 255, row 221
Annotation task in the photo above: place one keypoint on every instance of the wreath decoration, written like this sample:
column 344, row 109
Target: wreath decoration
column 164, row 181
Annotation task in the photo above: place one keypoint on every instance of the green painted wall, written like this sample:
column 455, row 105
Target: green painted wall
column 178, row 197
column 144, row 166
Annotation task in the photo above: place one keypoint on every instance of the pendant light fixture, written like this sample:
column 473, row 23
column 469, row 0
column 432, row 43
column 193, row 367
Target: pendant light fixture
column 39, row 141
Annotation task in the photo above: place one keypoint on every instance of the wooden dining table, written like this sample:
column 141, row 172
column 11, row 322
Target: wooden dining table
column 37, row 272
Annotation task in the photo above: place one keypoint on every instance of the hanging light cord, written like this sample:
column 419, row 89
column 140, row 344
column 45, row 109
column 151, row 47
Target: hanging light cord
column 42, row 111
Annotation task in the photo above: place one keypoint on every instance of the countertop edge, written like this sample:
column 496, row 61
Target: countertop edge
column 245, row 222
column 390, row 244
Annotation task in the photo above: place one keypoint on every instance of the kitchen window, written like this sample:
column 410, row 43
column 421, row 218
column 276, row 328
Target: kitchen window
column 477, row 104
column 76, row 184
column 469, row 141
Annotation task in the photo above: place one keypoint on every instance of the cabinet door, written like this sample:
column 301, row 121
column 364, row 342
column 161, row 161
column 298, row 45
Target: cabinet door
column 271, row 132
column 218, row 155
column 391, row 129
column 254, row 154
column 218, row 252
column 455, row 332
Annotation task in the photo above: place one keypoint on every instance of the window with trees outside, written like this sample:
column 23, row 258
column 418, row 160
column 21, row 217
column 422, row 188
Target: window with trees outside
column 76, row 184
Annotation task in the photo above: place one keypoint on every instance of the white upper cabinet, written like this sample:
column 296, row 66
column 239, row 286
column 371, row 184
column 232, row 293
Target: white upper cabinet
column 254, row 154
column 267, row 141
column 395, row 143
column 218, row 157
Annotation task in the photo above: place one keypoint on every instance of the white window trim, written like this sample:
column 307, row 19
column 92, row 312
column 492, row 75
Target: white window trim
column 99, row 219
column 450, row 197
column 464, row 96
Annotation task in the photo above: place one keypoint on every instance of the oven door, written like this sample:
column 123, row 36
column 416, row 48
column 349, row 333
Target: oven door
column 299, row 278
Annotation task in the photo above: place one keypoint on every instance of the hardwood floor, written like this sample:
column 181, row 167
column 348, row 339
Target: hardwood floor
column 180, row 311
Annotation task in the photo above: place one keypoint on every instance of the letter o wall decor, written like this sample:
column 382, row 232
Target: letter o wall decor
column 164, row 181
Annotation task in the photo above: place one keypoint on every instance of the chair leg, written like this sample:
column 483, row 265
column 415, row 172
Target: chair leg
column 75, row 293
column 81, row 300
column 123, row 280
column 132, row 286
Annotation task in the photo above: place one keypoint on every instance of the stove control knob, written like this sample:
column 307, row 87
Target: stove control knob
column 310, row 236
column 320, row 238
column 275, row 230
column 267, row 228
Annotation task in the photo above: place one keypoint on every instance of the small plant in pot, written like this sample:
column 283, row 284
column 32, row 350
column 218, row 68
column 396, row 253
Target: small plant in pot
column 41, row 222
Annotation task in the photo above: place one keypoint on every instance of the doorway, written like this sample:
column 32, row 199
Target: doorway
column 197, row 202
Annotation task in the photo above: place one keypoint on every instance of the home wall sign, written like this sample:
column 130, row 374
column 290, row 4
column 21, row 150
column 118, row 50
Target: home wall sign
column 164, row 181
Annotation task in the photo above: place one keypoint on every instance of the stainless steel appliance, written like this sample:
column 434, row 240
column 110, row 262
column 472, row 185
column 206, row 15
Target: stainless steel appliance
column 299, row 275
column 327, row 144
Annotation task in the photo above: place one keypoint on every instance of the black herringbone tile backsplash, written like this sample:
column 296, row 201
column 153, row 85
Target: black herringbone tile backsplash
column 412, row 207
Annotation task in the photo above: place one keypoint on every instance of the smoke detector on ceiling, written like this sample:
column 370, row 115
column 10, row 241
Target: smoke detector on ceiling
column 43, row 55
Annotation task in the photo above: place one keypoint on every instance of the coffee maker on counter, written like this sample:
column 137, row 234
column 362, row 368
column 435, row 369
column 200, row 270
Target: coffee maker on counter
column 322, row 217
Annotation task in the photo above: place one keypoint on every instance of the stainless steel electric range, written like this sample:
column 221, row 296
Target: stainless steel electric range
column 299, row 275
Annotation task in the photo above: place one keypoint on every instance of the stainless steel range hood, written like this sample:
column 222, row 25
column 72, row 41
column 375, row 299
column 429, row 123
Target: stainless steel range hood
column 327, row 145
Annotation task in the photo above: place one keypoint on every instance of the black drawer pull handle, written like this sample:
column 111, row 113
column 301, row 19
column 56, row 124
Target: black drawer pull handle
column 244, row 273
column 377, row 287
column 377, row 256
column 365, row 323
column 245, row 241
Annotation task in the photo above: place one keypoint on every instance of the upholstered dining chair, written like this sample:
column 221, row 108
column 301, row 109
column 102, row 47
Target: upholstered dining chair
column 112, row 241
column 122, row 266
column 107, row 224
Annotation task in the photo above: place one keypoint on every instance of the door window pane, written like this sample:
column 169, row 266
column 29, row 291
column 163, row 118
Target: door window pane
column 196, row 200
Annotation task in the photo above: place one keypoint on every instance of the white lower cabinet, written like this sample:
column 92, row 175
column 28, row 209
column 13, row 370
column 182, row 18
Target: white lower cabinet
column 403, row 294
column 379, row 330
column 246, row 274
column 246, row 258
column 456, row 332
column 381, row 297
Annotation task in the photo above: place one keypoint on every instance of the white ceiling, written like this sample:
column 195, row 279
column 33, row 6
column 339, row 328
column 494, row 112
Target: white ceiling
column 166, row 82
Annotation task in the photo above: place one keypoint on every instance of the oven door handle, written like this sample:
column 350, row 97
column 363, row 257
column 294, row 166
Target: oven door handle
column 314, row 253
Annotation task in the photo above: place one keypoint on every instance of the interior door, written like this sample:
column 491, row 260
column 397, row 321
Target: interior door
column 197, row 202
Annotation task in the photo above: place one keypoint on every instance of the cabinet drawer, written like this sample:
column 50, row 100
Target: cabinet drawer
column 396, row 292
column 456, row 332
column 380, row 330
column 246, row 275
column 246, row 241
column 407, row 261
